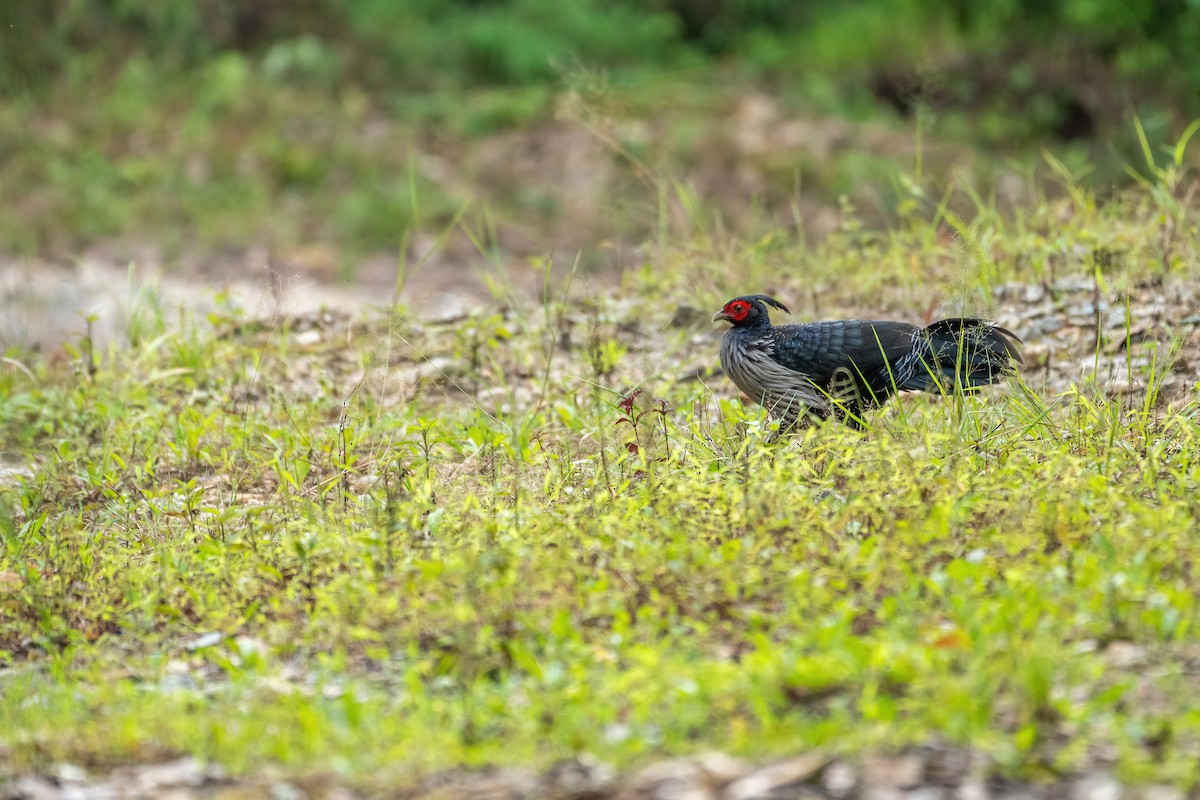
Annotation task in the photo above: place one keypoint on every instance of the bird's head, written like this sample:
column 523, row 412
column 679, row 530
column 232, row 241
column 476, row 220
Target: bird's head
column 749, row 310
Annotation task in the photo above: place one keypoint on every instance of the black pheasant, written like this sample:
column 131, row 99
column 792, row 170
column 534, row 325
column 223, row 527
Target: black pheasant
column 844, row 367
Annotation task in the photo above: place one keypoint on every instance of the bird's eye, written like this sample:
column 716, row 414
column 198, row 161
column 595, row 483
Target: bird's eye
column 739, row 308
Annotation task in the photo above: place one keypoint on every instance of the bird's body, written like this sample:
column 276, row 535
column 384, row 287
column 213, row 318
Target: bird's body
column 844, row 367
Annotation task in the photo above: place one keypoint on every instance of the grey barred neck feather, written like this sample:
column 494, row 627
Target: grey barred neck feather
column 844, row 367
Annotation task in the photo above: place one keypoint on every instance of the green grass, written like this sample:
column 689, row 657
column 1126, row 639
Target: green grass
column 268, row 541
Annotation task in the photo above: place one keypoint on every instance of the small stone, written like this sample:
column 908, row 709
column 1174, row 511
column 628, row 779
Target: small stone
column 1097, row 786
column 765, row 782
column 617, row 732
column 1124, row 388
column 1076, row 284
column 70, row 774
column 446, row 308
column 205, row 640
column 1034, row 293
column 839, row 780
column 286, row 791
column 1124, row 655
column 947, row 766
column 32, row 787
column 181, row 772
column 881, row 793
column 1116, row 318
column 720, row 769
column 680, row 779
column 577, row 777
column 308, row 338
column 973, row 789
column 1048, row 325
column 927, row 793
column 898, row 772
column 482, row 784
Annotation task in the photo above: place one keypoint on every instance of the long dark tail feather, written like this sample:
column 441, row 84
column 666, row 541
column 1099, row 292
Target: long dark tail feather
column 962, row 354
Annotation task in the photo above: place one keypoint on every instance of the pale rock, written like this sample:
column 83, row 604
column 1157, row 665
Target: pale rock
column 204, row 640
column 1097, row 786
column 680, row 779
column 32, row 787
column 578, row 777
column 720, row 769
column 1124, row 655
column 899, row 772
column 927, row 793
column 839, row 780
column 763, row 783
column 181, row 772
column 972, row 789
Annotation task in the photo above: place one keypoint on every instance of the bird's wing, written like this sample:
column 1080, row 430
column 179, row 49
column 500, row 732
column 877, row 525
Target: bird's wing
column 862, row 348
column 784, row 386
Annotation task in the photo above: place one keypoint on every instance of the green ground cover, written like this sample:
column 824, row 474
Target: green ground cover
column 381, row 545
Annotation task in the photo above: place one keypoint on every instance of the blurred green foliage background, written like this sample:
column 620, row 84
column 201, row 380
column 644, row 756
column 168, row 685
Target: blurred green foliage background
column 417, row 45
column 210, row 124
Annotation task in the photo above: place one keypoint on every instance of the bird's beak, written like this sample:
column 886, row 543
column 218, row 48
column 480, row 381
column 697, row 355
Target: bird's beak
column 721, row 315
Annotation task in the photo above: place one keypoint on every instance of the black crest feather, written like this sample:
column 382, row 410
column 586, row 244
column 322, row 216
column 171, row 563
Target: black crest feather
column 771, row 301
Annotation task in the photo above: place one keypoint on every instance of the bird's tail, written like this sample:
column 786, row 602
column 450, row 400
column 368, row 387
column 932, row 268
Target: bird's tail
column 957, row 355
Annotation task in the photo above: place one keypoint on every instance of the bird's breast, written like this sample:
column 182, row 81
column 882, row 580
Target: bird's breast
column 749, row 362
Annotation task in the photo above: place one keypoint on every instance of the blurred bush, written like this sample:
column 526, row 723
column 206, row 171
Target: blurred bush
column 1046, row 61
column 241, row 120
column 415, row 44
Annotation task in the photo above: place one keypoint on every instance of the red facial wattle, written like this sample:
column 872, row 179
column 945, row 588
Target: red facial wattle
column 737, row 310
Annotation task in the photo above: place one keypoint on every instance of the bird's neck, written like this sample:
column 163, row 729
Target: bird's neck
column 752, row 329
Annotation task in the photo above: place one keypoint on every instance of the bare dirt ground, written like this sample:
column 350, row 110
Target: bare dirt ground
column 1072, row 333
column 44, row 304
